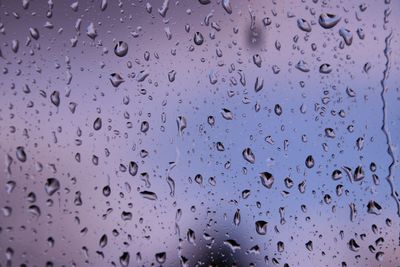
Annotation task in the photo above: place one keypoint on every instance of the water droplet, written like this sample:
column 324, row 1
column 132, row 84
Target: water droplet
column 171, row 76
column 304, row 25
column 91, row 31
column 148, row 195
column 181, row 121
column 278, row 109
column 227, row 114
column 133, row 168
column 232, row 244
column 97, row 124
column 55, row 98
column 374, row 208
column 309, row 245
column 198, row 38
column 302, row 66
column 336, row 175
column 236, row 218
column 116, row 79
column 103, row 5
column 34, row 210
column 379, row 256
column 227, row 6
column 259, row 84
column 34, row 33
column 121, row 49
column 267, row 179
column 107, row 191
column 191, row 236
column 359, row 174
column 261, row 227
column 346, row 35
column 329, row 132
column 257, row 60
column 51, row 186
column 124, row 259
column 328, row 21
column 144, row 126
column 161, row 257
column 310, row 161
column 353, row 245
column 325, row 68
column 103, row 241
column 249, row 155
column 21, row 155
column 164, row 8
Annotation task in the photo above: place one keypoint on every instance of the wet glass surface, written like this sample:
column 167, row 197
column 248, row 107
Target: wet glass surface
column 199, row 133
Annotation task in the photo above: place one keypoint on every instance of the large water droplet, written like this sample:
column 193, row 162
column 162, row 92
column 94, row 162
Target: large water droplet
column 261, row 227
column 97, row 124
column 198, row 38
column 328, row 21
column 51, row 186
column 304, row 25
column 121, row 49
column 249, row 155
column 21, row 155
column 267, row 179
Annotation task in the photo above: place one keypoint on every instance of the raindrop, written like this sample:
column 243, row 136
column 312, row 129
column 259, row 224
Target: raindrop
column 261, row 227
column 309, row 245
column 103, row 241
column 106, row 191
column 198, row 38
column 346, row 35
column 21, row 155
column 55, row 98
column 353, row 245
column 116, row 79
column 124, row 259
column 249, row 155
column 310, row 161
column 205, row 2
column 259, row 84
column 236, row 218
column 359, row 174
column 325, row 68
column 161, row 257
column 227, row 6
column 148, row 195
column 336, row 175
column 91, row 31
column 227, row 114
column 133, row 168
column 267, row 179
column 374, row 208
column 182, row 124
column 97, row 124
column 304, row 25
column 52, row 185
column 302, row 66
column 121, row 49
column 34, row 33
column 328, row 21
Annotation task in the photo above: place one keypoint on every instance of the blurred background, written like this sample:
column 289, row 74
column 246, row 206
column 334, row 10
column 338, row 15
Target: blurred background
column 199, row 133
